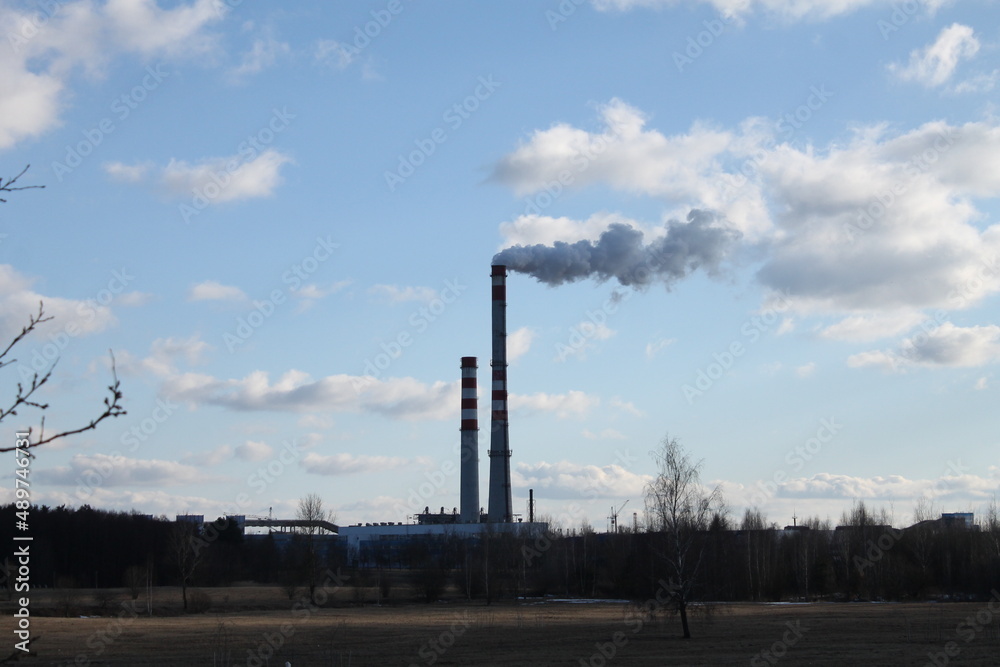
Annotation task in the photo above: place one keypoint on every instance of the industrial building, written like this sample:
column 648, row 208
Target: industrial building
column 468, row 520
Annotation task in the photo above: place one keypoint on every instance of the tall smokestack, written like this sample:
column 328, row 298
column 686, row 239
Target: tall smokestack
column 500, row 510
column 469, row 496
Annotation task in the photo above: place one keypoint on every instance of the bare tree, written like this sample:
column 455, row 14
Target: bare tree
column 991, row 527
column 681, row 509
column 134, row 580
column 10, row 186
column 186, row 549
column 24, row 397
column 311, row 509
column 760, row 548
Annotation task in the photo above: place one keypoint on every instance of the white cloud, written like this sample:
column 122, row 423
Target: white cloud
column 313, row 292
column 947, row 345
column 122, row 471
column 225, row 179
column 163, row 356
column 211, row 290
column 29, row 103
column 982, row 383
column 295, row 391
column 316, row 421
column 789, row 10
column 519, row 342
column 806, row 370
column 262, row 55
column 564, row 479
column 583, row 337
column 254, row 450
column 348, row 464
column 540, row 229
column 213, row 457
column 935, row 64
column 142, row 26
column 654, row 347
column 882, row 227
column 18, row 302
column 309, row 294
column 889, row 487
column 571, row 404
column 979, row 83
column 127, row 173
column 86, row 34
column 865, row 328
column 688, row 169
column 147, row 501
column 626, row 406
column 873, row 229
column 333, row 54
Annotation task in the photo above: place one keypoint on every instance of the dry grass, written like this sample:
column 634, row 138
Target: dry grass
column 236, row 632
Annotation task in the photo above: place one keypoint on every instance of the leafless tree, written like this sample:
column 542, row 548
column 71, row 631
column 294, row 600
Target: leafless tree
column 760, row 550
column 9, row 185
column 186, row 550
column 680, row 509
column 311, row 509
column 134, row 580
column 24, row 397
column 991, row 527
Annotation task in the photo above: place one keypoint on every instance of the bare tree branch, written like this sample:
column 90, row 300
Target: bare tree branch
column 23, row 396
column 8, row 186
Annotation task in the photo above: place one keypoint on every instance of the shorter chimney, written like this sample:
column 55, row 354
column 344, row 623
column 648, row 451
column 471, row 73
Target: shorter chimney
column 469, row 496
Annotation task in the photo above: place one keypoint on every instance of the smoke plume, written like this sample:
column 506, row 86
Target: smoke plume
column 619, row 253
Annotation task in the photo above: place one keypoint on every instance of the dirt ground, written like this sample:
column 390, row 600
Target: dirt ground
column 261, row 626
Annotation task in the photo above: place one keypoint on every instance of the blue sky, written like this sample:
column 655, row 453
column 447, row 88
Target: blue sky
column 281, row 221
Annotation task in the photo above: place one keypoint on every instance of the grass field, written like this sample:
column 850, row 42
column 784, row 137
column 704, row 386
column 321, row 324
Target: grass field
column 261, row 626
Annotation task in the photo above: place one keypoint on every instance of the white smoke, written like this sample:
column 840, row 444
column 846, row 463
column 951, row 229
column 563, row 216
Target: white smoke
column 619, row 253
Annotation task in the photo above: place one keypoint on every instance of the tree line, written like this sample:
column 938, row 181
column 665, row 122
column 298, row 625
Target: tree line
column 750, row 559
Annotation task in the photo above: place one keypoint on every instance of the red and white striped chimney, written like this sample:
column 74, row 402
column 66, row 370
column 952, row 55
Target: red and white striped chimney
column 469, row 495
column 500, row 508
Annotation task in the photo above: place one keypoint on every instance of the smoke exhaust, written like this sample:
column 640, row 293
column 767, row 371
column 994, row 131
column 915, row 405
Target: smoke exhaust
column 621, row 254
column 500, row 509
column 469, row 496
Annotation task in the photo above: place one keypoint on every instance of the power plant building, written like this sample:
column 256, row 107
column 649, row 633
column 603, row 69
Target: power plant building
column 467, row 520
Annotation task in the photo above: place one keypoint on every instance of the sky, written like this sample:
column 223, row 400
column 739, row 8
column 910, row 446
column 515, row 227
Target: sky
column 766, row 228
